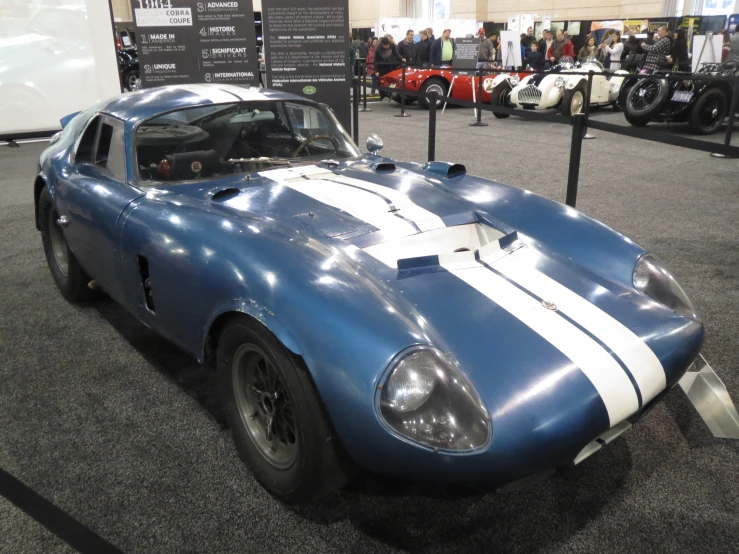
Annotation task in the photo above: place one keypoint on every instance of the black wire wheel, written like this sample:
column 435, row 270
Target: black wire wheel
column 279, row 425
column 264, row 406
column 709, row 112
column 646, row 98
column 501, row 97
column 68, row 274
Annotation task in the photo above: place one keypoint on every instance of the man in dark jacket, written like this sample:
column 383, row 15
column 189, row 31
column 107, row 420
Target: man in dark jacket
column 386, row 59
column 423, row 49
column 528, row 40
column 407, row 48
column 442, row 51
column 657, row 53
column 363, row 48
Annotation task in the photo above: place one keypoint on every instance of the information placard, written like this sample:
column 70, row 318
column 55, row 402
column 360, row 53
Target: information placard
column 189, row 41
column 466, row 51
column 306, row 47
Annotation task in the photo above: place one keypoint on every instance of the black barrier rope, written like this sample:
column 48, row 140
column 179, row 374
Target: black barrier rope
column 580, row 122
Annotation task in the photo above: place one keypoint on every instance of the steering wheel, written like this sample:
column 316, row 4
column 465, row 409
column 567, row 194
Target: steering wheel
column 333, row 140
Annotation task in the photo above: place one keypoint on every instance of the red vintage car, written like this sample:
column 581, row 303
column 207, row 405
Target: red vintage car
column 440, row 81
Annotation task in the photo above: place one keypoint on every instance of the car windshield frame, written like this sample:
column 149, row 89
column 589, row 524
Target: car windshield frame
column 143, row 182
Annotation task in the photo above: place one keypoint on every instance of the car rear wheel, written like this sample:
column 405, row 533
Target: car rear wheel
column 276, row 417
column 500, row 97
column 435, row 84
column 573, row 101
column 709, row 112
column 646, row 97
column 132, row 80
column 636, row 121
column 68, row 275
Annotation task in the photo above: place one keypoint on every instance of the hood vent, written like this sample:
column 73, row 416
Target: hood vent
column 446, row 169
column 384, row 167
column 225, row 194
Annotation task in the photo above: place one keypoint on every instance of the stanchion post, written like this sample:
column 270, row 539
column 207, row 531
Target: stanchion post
column 355, row 112
column 433, row 98
column 479, row 122
column 588, row 95
column 732, row 117
column 364, row 88
column 573, row 175
column 402, row 95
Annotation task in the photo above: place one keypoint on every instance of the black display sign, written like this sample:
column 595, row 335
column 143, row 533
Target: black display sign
column 188, row 41
column 306, row 47
column 466, row 52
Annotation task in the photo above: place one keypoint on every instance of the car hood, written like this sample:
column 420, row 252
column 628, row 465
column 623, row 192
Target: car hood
column 550, row 346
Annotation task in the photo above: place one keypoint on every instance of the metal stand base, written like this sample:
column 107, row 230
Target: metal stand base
column 711, row 399
column 588, row 136
column 13, row 144
column 365, row 109
column 402, row 115
column 478, row 124
column 717, row 155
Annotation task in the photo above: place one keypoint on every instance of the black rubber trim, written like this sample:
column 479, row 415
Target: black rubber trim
column 54, row 519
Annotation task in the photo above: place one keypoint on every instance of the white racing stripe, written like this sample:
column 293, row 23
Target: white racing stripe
column 603, row 371
column 643, row 364
column 426, row 220
column 608, row 378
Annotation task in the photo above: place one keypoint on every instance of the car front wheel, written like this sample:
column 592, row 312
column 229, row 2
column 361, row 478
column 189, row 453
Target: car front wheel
column 68, row 275
column 132, row 80
column 573, row 101
column 646, row 98
column 499, row 97
column 276, row 417
column 709, row 112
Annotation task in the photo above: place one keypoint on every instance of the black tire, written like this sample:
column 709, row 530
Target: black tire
column 132, row 80
column 303, row 460
column 636, row 121
column 709, row 112
column 436, row 84
column 499, row 97
column 65, row 269
column 573, row 101
column 647, row 97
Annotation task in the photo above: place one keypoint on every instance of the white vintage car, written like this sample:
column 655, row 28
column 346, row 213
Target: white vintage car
column 561, row 88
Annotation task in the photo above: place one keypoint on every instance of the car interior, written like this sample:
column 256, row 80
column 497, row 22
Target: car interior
column 226, row 139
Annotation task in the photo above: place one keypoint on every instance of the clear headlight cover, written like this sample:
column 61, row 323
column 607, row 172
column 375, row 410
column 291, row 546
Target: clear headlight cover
column 427, row 399
column 559, row 82
column 652, row 278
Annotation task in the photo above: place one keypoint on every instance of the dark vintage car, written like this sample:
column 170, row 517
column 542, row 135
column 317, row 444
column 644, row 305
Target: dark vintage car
column 701, row 102
column 128, row 66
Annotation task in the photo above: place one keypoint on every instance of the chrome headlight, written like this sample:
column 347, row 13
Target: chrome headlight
column 55, row 137
column 428, row 400
column 652, row 278
column 560, row 82
column 515, row 79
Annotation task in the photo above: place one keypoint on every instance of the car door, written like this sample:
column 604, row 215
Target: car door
column 90, row 197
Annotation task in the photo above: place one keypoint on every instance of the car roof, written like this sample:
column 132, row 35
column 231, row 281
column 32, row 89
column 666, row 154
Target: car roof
column 143, row 104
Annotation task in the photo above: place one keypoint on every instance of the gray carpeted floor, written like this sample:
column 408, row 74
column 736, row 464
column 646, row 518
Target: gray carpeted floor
column 120, row 430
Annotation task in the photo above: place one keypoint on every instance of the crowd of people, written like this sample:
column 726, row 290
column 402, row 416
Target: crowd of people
column 663, row 50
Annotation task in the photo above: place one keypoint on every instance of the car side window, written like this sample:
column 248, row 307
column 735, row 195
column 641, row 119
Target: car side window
column 87, row 142
column 110, row 152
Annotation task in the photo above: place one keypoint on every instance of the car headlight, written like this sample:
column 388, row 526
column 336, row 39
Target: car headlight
column 428, row 400
column 55, row 137
column 652, row 278
column 559, row 82
column 515, row 79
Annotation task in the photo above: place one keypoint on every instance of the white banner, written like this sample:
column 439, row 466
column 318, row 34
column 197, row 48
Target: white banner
column 55, row 60
column 510, row 48
column 398, row 26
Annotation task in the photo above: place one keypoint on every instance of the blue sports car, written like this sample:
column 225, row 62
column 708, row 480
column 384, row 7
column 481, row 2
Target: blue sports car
column 406, row 319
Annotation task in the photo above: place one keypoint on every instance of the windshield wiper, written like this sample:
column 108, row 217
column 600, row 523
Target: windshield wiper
column 260, row 160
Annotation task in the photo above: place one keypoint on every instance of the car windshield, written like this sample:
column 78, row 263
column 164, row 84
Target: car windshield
column 243, row 137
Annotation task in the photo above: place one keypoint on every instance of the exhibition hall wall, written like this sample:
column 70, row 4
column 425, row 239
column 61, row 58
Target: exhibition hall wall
column 56, row 57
